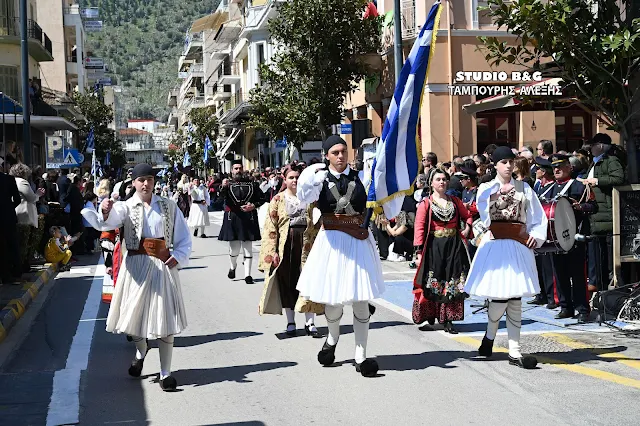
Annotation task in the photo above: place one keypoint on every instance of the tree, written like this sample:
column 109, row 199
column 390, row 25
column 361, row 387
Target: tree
column 594, row 45
column 321, row 48
column 98, row 116
column 204, row 124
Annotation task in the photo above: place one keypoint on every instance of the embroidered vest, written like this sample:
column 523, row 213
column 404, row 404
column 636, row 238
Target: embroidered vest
column 133, row 223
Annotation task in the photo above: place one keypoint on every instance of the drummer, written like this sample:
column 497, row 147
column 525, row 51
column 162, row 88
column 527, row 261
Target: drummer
column 570, row 266
column 544, row 261
column 469, row 180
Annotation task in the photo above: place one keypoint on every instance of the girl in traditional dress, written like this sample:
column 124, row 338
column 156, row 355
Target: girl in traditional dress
column 199, row 213
column 281, row 255
column 183, row 195
column 444, row 262
column 504, row 267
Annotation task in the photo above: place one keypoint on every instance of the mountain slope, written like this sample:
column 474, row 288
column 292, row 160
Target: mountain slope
column 140, row 42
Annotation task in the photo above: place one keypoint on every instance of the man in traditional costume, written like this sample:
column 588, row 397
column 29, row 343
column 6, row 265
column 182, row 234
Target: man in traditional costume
column 199, row 211
column 147, row 301
column 343, row 266
column 240, row 226
column 504, row 268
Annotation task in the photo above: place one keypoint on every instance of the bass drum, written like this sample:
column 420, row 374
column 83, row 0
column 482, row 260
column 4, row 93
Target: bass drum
column 561, row 233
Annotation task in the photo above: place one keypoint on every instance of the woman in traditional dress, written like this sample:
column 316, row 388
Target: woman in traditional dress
column 183, row 195
column 504, row 267
column 199, row 213
column 444, row 262
column 281, row 255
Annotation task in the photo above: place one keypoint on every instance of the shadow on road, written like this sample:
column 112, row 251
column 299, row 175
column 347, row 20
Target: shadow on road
column 347, row 328
column 238, row 373
column 187, row 341
column 471, row 327
column 186, row 268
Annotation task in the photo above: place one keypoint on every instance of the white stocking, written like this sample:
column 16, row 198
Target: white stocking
column 248, row 258
column 514, row 324
column 494, row 314
column 291, row 318
column 309, row 320
column 141, row 347
column 361, row 317
column 201, row 228
column 165, row 347
column 234, row 251
column 333, row 314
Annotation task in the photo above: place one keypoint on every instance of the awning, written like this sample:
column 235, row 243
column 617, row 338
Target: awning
column 209, row 22
column 503, row 101
column 368, row 141
column 223, row 151
column 41, row 122
column 9, row 105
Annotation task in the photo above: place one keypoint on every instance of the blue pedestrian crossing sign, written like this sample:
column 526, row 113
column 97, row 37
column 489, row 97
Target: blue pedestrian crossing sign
column 72, row 158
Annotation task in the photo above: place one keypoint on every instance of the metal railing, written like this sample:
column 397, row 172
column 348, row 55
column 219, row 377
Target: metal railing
column 10, row 26
column 408, row 18
column 236, row 100
column 228, row 68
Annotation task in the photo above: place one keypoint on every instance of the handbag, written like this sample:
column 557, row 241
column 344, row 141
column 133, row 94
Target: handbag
column 419, row 310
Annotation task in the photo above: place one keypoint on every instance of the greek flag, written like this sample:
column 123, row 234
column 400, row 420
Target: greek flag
column 207, row 147
column 395, row 167
column 189, row 134
column 187, row 159
column 107, row 159
column 91, row 142
column 175, row 165
column 96, row 169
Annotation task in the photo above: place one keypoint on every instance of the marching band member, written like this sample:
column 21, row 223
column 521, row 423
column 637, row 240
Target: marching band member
column 343, row 267
column 504, row 268
column 199, row 211
column 240, row 226
column 147, row 301
column 570, row 266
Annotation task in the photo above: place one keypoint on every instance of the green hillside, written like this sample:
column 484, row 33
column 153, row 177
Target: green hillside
column 140, row 43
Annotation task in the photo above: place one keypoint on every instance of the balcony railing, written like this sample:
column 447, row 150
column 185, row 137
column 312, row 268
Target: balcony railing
column 408, row 18
column 10, row 26
column 190, row 40
column 228, row 68
column 237, row 99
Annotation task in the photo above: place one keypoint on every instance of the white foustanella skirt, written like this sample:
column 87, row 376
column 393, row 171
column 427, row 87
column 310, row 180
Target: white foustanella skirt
column 147, row 300
column 198, row 216
column 341, row 270
column 502, row 269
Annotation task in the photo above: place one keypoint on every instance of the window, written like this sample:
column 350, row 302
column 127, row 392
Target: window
column 495, row 128
column 9, row 83
column 573, row 128
column 260, row 60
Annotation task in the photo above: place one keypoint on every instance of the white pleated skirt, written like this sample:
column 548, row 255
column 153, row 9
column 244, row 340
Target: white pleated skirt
column 147, row 300
column 198, row 216
column 502, row 269
column 341, row 270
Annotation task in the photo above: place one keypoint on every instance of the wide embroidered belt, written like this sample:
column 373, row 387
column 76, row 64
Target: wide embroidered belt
column 516, row 231
column 445, row 232
column 345, row 223
column 155, row 247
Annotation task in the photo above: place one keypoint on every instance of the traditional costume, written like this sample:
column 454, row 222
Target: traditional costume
column 147, row 301
column 504, row 268
column 240, row 228
column 284, row 235
column 184, row 201
column 199, row 212
column 444, row 264
column 343, row 266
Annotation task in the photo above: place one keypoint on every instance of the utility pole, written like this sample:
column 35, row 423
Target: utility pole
column 26, row 101
column 398, row 56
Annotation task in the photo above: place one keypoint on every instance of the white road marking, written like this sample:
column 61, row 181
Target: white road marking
column 399, row 272
column 80, row 271
column 64, row 407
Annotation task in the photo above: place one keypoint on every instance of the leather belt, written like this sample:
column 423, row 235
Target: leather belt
column 444, row 232
column 345, row 223
column 155, row 247
column 509, row 231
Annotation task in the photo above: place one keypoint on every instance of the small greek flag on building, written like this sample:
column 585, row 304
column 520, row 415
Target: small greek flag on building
column 395, row 167
column 91, row 142
column 190, row 134
column 187, row 159
column 207, row 147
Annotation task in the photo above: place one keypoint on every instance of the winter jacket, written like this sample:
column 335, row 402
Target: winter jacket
column 610, row 173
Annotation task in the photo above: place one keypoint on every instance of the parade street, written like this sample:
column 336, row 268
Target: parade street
column 235, row 367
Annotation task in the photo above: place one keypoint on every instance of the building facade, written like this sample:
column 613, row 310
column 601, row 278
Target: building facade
column 445, row 127
column 146, row 141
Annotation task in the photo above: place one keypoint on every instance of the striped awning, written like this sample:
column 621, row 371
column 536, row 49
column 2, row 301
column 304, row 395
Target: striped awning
column 209, row 22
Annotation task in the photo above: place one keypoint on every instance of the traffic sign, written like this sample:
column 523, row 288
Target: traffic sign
column 70, row 160
column 345, row 129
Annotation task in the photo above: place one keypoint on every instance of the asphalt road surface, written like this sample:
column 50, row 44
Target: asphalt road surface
column 235, row 367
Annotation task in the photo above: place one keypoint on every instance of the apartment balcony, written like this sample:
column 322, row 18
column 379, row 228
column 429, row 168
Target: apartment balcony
column 193, row 46
column 195, row 72
column 257, row 17
column 40, row 47
column 73, row 67
column 72, row 16
column 142, row 146
column 235, row 107
column 172, row 98
column 173, row 117
column 229, row 73
column 226, row 35
column 219, row 94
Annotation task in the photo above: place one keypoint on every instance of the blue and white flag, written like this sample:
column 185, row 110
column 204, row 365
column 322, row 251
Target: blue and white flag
column 175, row 165
column 91, row 142
column 187, row 159
column 395, row 167
column 107, row 159
column 207, row 147
column 189, row 134
column 96, row 169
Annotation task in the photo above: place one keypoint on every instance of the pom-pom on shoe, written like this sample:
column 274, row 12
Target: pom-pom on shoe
column 327, row 354
column 486, row 347
column 368, row 368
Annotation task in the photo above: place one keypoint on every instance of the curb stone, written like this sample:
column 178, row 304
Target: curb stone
column 15, row 308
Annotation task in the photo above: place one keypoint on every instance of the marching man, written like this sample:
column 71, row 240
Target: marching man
column 147, row 301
